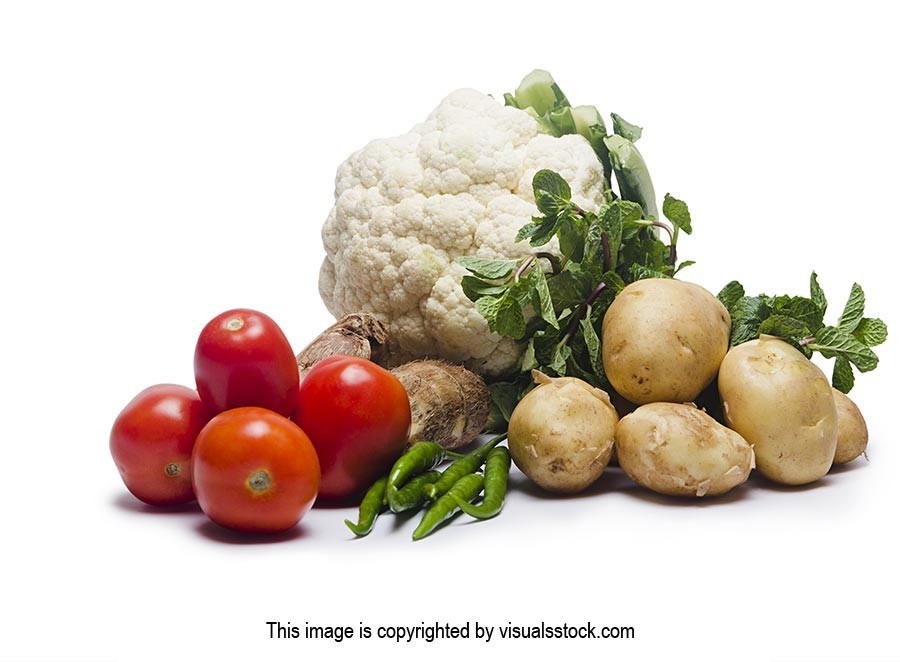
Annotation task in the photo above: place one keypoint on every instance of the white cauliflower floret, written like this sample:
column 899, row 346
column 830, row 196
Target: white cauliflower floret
column 406, row 207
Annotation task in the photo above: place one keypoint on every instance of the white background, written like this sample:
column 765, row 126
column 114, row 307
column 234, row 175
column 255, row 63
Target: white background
column 162, row 162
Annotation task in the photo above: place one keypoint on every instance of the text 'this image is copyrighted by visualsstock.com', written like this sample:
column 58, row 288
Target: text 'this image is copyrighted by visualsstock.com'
column 437, row 631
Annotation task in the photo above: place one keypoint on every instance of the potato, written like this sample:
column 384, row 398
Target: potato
column 679, row 450
column 663, row 340
column 781, row 403
column 562, row 433
column 853, row 435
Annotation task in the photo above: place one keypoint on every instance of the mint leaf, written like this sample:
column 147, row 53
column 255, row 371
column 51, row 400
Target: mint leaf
column 842, row 378
column 475, row 288
column 833, row 341
column 551, row 192
column 817, row 294
column 625, row 129
column 509, row 319
column 743, row 331
column 592, row 342
column 798, row 307
column 487, row 307
column 593, row 242
column 549, row 204
column 545, row 232
column 614, row 282
column 870, row 331
column 630, row 211
column 561, row 356
column 543, row 302
column 630, row 231
column 677, row 212
column 485, row 268
column 730, row 294
column 853, row 311
column 613, row 225
column 528, row 362
column 544, row 346
column 505, row 396
column 571, row 231
column 613, row 219
column 646, row 250
column 784, row 327
column 521, row 290
column 683, row 265
column 639, row 272
column 568, row 290
column 747, row 314
column 528, row 230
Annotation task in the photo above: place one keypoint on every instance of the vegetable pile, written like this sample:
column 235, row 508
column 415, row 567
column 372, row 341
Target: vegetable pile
column 508, row 269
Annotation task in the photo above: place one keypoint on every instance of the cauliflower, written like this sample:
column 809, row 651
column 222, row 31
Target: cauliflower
column 406, row 207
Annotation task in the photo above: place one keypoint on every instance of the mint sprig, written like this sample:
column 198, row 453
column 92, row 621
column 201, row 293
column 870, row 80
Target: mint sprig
column 801, row 322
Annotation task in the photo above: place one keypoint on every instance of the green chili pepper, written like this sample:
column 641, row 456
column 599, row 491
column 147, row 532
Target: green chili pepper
column 496, row 474
column 421, row 456
column 369, row 508
column 466, row 488
column 412, row 494
column 460, row 468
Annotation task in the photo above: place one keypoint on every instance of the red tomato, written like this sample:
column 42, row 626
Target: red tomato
column 357, row 415
column 151, row 443
column 244, row 360
column 255, row 471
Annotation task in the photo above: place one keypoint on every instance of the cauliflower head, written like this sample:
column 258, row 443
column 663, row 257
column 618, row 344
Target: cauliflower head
column 406, row 207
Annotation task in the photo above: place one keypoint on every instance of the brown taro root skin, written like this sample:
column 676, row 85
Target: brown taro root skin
column 450, row 404
column 356, row 334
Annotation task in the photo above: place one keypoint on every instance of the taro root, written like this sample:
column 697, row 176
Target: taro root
column 449, row 404
column 356, row 334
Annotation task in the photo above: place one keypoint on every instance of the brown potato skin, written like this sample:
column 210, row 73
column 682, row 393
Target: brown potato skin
column 663, row 340
column 781, row 403
column 678, row 450
column 562, row 434
column 853, row 435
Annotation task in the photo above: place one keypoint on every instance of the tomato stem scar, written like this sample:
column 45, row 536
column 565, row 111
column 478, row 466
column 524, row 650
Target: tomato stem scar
column 259, row 481
column 234, row 324
column 172, row 469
